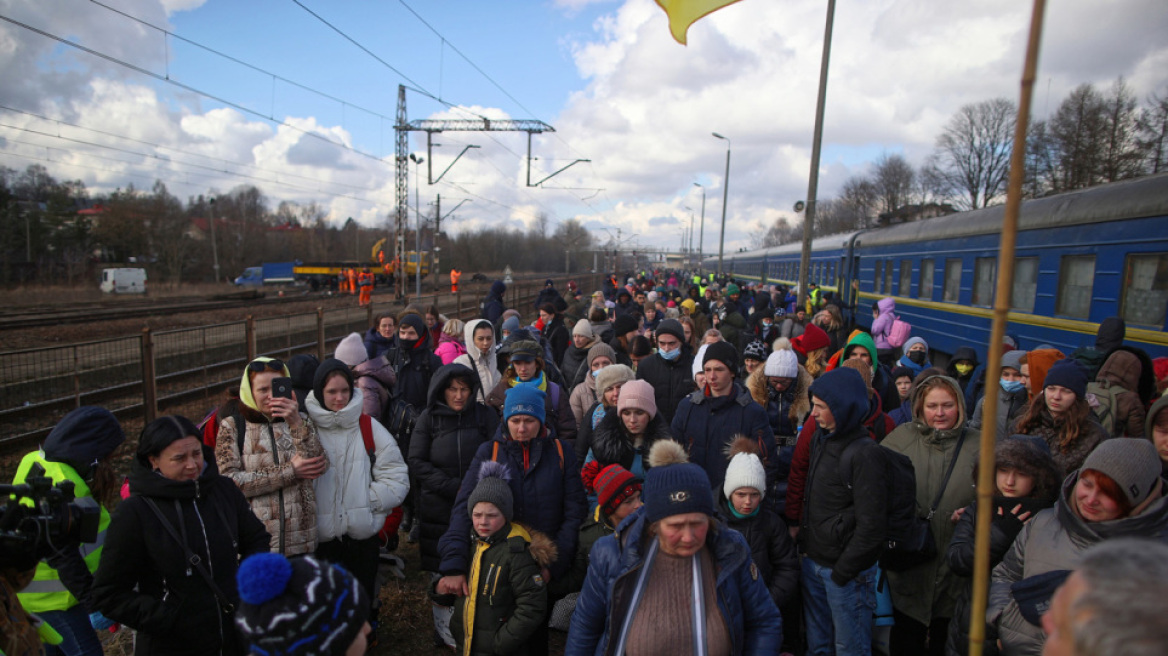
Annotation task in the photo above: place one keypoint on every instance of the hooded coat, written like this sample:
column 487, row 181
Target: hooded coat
column 145, row 583
column 414, row 363
column 753, row 621
column 1011, row 406
column 353, row 496
column 843, row 527
column 583, row 397
column 573, row 362
column 929, row 590
column 493, row 306
column 484, row 364
column 967, row 381
column 375, row 378
column 882, row 324
column 545, row 488
column 441, row 450
column 1122, row 369
column 881, row 376
column 771, row 548
column 1055, row 539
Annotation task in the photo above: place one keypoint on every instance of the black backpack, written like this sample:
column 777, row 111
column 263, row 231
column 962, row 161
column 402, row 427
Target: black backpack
column 900, row 490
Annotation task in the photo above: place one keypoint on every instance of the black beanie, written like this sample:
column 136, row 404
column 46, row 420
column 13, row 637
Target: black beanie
column 672, row 327
column 624, row 325
column 323, row 372
column 722, row 352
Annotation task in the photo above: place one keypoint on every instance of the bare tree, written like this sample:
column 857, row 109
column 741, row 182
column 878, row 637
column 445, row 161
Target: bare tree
column 1121, row 157
column 861, row 198
column 972, row 158
column 1152, row 128
column 894, row 180
column 171, row 243
column 1077, row 132
column 781, row 232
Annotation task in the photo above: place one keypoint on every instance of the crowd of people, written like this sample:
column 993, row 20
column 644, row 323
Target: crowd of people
column 675, row 463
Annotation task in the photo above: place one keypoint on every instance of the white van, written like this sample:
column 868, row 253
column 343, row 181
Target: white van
column 123, row 281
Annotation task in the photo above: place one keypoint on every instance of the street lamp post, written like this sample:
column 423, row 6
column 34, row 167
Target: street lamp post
column 418, row 230
column 702, row 231
column 725, row 196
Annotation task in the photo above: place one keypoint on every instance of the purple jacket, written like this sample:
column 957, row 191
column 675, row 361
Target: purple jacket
column 882, row 325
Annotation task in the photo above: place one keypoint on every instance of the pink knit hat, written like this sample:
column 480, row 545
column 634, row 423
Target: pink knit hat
column 637, row 394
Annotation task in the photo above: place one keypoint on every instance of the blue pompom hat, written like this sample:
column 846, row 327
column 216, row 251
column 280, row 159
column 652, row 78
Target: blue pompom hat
column 524, row 399
column 298, row 606
column 674, row 486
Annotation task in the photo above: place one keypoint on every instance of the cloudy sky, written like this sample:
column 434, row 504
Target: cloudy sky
column 265, row 92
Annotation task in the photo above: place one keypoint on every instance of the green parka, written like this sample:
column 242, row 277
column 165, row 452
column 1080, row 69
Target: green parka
column 930, row 590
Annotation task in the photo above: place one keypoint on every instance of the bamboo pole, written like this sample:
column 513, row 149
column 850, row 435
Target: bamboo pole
column 985, row 474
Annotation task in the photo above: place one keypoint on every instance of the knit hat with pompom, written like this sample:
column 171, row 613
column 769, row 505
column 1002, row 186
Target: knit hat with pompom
column 745, row 468
column 298, row 606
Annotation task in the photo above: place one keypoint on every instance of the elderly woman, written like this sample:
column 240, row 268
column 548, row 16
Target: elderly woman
column 943, row 452
column 674, row 578
column 1060, row 415
column 179, row 508
column 1117, row 492
column 273, row 454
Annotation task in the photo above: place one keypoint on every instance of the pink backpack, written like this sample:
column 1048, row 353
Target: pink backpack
column 899, row 333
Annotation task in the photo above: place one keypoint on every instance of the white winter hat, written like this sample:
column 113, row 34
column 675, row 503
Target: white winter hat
column 745, row 468
column 351, row 350
column 698, row 360
column 782, row 362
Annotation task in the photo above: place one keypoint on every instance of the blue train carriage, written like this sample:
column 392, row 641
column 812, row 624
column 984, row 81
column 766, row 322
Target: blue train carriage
column 833, row 264
column 1081, row 257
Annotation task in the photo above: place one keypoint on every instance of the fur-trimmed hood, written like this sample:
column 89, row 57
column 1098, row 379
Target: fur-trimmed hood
column 542, row 548
column 610, row 442
column 756, row 383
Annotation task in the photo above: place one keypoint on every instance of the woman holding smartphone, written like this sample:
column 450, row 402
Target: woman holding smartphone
column 274, row 457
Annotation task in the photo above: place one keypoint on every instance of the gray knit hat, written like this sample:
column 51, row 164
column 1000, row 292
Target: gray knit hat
column 613, row 374
column 582, row 327
column 493, row 488
column 1132, row 463
column 598, row 349
column 1013, row 359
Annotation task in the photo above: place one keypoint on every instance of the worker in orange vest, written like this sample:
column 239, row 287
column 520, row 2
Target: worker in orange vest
column 341, row 282
column 351, row 274
column 365, row 282
column 455, row 274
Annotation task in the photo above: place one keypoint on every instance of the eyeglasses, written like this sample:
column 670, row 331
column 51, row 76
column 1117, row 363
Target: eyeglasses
column 258, row 367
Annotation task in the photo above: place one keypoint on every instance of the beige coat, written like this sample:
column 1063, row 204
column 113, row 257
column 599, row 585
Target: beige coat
column 285, row 504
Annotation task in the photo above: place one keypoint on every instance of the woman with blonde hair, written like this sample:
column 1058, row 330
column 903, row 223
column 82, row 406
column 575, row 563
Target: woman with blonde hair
column 450, row 344
column 811, row 347
column 691, row 332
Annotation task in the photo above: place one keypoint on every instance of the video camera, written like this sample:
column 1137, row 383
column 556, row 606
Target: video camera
column 37, row 518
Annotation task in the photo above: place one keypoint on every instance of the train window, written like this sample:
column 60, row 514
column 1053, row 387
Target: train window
column 1076, row 280
column 984, row 276
column 878, row 277
column 1025, row 284
column 905, row 285
column 1145, row 289
column 888, row 277
column 952, row 291
column 925, row 291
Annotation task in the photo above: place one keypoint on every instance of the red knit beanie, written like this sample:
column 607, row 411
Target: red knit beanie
column 613, row 485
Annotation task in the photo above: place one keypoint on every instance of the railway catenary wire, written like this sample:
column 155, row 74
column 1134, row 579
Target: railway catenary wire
column 38, row 386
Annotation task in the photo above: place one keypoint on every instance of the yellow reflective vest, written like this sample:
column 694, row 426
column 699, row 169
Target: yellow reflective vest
column 46, row 591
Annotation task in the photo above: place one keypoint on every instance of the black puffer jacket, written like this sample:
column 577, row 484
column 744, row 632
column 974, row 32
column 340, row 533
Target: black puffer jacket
column 672, row 380
column 443, row 444
column 143, row 580
column 611, row 445
column 573, row 364
column 772, row 549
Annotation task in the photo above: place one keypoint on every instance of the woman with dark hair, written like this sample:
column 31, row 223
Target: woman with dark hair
column 554, row 330
column 446, row 437
column 1026, row 480
column 639, row 349
column 379, row 338
column 691, row 332
column 1060, row 415
column 434, row 323
column 625, row 434
column 273, row 454
column 78, row 450
column 172, row 548
column 1116, row 493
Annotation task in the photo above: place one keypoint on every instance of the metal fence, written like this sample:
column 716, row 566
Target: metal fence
column 143, row 375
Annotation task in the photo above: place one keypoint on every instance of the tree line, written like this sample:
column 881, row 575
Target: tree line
column 55, row 232
column 1093, row 137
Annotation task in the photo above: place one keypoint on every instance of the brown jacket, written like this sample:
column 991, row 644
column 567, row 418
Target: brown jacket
column 285, row 504
column 1123, row 369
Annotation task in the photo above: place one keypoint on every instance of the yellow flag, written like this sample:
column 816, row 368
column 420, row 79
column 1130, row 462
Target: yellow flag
column 683, row 13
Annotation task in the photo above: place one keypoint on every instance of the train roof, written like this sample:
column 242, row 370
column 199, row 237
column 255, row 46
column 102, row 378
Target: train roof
column 1129, row 199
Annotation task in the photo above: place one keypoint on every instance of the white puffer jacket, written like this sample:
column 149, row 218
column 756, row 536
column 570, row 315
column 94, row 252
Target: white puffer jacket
column 350, row 499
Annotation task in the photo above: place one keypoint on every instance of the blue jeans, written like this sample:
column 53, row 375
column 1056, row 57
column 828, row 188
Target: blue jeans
column 79, row 637
column 839, row 618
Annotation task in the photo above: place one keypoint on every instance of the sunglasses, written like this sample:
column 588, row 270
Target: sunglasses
column 257, row 367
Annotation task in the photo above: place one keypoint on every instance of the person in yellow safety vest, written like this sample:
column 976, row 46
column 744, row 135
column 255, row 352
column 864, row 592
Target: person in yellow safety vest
column 77, row 449
column 814, row 298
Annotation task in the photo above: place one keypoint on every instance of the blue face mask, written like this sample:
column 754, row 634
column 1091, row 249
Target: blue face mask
column 1013, row 386
column 670, row 355
column 596, row 373
column 766, row 325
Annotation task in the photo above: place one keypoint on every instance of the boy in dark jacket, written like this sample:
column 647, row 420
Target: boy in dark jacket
column 842, row 530
column 618, row 494
column 507, row 592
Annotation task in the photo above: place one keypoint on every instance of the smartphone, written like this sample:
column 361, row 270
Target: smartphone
column 282, row 388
